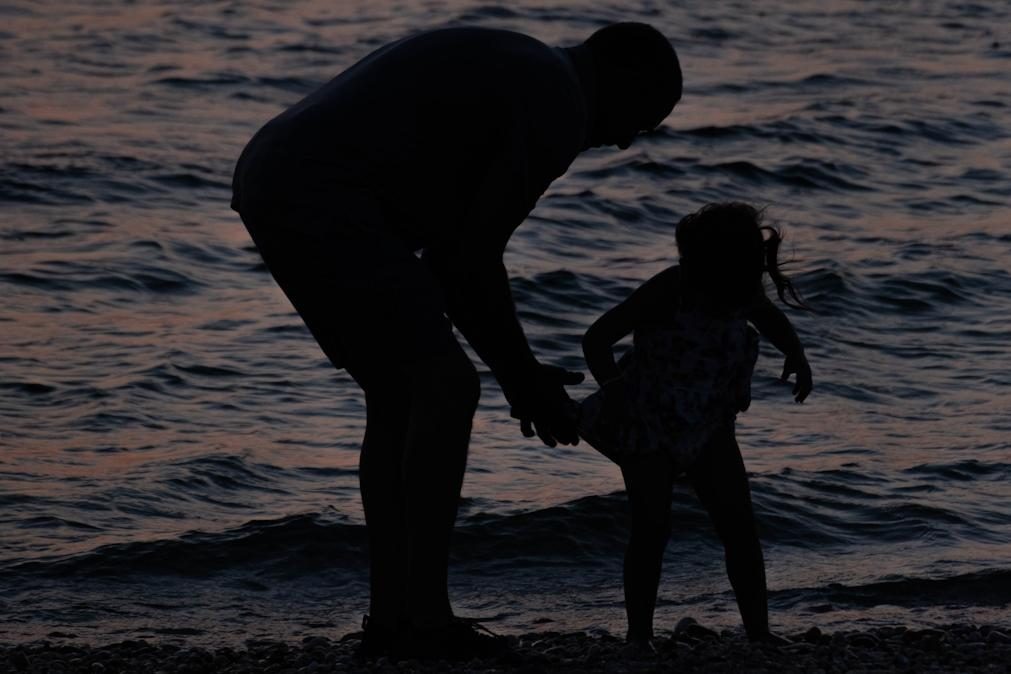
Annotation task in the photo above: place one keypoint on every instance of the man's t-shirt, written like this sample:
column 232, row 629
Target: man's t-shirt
column 437, row 133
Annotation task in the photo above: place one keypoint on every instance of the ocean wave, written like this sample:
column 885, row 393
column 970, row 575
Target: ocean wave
column 967, row 470
column 65, row 276
column 809, row 511
column 40, row 184
column 198, row 83
column 214, row 476
column 802, row 173
column 848, row 508
column 833, row 290
column 781, row 130
column 291, row 545
column 76, row 178
column 984, row 588
column 29, row 388
column 235, row 81
column 189, row 180
column 933, row 291
column 827, row 289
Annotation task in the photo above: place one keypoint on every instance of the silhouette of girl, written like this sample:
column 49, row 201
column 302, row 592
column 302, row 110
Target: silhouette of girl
column 668, row 405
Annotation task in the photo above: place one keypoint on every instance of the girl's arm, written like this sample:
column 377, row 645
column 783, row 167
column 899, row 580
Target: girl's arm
column 609, row 329
column 776, row 327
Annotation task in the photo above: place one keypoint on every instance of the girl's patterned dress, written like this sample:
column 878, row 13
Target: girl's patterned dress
column 683, row 381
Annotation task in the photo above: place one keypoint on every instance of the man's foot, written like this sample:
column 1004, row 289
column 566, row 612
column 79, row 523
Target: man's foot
column 460, row 639
column 376, row 640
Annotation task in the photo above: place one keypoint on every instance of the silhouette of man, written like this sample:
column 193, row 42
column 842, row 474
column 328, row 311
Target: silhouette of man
column 440, row 143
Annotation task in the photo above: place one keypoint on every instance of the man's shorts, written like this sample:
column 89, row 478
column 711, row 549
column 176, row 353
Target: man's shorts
column 370, row 302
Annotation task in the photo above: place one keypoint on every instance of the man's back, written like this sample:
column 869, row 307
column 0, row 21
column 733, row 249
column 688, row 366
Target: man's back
column 416, row 126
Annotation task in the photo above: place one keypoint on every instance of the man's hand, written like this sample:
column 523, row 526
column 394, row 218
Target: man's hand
column 545, row 409
column 797, row 364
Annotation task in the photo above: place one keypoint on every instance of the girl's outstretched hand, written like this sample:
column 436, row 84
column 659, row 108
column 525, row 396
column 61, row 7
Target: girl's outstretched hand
column 797, row 364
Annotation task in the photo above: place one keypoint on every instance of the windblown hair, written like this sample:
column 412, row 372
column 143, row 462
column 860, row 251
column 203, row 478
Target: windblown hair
column 729, row 248
column 774, row 268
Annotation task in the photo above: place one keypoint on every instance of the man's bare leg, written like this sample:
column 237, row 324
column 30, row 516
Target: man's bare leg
column 444, row 396
column 380, row 476
column 411, row 473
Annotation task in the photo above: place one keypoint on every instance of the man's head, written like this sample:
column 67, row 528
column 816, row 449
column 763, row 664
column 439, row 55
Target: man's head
column 638, row 81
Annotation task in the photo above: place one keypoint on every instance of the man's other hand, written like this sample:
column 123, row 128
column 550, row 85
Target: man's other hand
column 545, row 409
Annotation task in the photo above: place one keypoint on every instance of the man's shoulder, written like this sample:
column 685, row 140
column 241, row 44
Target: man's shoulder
column 513, row 74
column 501, row 54
column 472, row 38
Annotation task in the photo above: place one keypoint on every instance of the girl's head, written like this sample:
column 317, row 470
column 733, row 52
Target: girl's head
column 725, row 249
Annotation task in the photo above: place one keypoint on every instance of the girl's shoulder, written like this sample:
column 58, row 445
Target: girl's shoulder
column 659, row 297
column 666, row 285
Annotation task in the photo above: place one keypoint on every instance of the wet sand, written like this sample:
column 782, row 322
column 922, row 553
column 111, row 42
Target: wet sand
column 691, row 648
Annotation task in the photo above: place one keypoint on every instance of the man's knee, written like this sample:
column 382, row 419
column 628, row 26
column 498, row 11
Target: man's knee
column 449, row 380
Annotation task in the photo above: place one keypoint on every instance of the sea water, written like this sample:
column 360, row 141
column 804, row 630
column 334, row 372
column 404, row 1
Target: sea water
column 178, row 459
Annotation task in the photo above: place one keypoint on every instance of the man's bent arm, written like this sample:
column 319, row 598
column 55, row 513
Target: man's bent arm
column 470, row 270
column 479, row 303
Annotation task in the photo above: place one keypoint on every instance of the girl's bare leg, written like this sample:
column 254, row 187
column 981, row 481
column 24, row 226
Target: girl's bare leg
column 720, row 480
column 648, row 482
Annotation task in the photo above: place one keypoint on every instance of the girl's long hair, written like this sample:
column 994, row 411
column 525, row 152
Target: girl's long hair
column 732, row 233
column 773, row 267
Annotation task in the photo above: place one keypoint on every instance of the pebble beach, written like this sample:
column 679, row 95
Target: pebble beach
column 689, row 648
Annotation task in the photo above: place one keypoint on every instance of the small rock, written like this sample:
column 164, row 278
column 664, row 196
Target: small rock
column 799, row 648
column 688, row 627
column 865, row 640
column 684, row 624
column 19, row 660
column 997, row 637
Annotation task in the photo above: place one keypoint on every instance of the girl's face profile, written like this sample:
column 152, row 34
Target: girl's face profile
column 722, row 256
column 721, row 286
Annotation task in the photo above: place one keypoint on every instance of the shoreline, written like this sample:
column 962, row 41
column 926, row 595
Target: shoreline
column 690, row 648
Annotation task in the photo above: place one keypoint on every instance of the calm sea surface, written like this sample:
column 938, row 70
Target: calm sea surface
column 178, row 459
